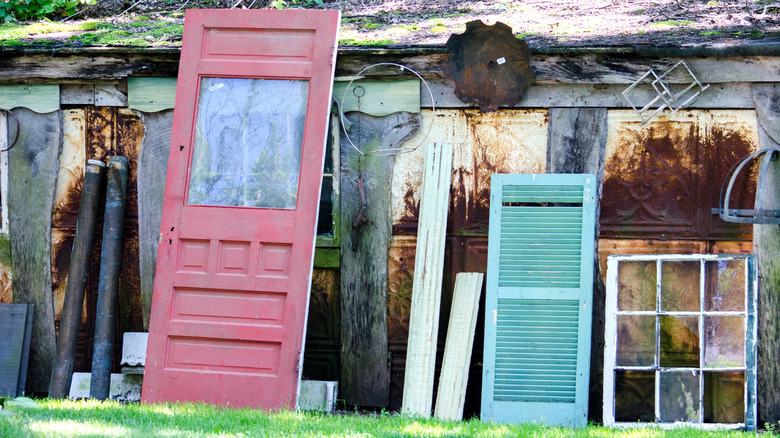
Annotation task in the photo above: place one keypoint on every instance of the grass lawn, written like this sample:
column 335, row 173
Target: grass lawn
column 89, row 418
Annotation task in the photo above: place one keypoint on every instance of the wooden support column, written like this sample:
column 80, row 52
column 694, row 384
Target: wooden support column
column 33, row 166
column 766, row 244
column 457, row 351
column 576, row 143
column 152, row 169
column 426, row 289
column 365, row 377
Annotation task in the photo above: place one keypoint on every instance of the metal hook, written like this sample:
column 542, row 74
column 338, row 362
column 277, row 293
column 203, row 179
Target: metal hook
column 18, row 128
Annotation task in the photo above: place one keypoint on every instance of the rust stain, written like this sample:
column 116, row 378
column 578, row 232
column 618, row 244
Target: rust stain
column 6, row 295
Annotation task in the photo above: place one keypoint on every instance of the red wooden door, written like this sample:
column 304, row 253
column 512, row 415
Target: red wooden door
column 239, row 218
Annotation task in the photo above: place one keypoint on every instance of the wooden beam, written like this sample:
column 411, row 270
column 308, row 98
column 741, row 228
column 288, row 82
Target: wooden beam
column 33, row 165
column 426, row 288
column 365, row 378
column 576, row 143
column 457, row 351
column 152, row 169
column 766, row 244
column 718, row 96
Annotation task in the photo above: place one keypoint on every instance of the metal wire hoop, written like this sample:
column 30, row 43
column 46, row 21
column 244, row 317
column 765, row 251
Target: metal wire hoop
column 388, row 151
column 18, row 128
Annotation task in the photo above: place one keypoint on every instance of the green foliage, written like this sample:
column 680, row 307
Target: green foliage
column 24, row 10
column 284, row 4
column 364, row 42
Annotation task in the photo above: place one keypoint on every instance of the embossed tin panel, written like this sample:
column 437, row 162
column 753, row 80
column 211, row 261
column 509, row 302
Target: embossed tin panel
column 662, row 180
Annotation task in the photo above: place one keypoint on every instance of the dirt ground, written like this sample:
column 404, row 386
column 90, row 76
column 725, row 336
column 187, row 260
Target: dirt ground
column 539, row 22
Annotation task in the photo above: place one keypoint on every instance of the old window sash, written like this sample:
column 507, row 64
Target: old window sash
column 326, row 252
column 724, row 293
column 4, row 172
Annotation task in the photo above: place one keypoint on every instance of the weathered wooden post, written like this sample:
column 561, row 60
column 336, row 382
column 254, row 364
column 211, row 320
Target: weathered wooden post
column 766, row 244
column 62, row 372
column 110, row 258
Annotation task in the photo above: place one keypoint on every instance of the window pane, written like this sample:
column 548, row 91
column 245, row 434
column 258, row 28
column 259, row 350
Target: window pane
column 725, row 287
column 679, row 396
column 635, row 340
column 637, row 286
column 634, row 396
column 724, row 341
column 724, row 397
column 679, row 341
column 248, row 139
column 680, row 286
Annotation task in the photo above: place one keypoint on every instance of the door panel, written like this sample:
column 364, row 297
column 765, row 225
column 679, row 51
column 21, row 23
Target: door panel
column 239, row 218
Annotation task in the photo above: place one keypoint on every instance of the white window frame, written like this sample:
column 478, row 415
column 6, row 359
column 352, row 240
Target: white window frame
column 751, row 328
column 4, row 172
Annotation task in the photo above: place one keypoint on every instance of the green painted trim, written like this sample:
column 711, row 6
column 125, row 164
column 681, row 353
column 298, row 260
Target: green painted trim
column 380, row 97
column 151, row 94
column 39, row 98
column 327, row 258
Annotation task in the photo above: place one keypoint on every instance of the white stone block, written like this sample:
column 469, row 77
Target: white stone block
column 134, row 349
column 126, row 388
column 317, row 395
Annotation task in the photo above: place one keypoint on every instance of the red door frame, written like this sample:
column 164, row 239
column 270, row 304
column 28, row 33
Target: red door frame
column 232, row 284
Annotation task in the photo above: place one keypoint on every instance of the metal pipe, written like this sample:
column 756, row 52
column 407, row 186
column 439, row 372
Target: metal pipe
column 110, row 259
column 62, row 371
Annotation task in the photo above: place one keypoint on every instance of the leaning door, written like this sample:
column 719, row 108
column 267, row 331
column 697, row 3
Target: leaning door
column 239, row 218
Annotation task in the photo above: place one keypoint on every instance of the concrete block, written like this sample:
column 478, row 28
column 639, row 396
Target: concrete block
column 126, row 388
column 134, row 349
column 317, row 395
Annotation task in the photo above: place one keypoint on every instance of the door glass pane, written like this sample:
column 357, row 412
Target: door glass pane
column 635, row 340
column 725, row 286
column 679, row 396
column 724, row 341
column 680, row 286
column 724, row 397
column 637, row 286
column 248, row 139
column 679, row 341
column 634, row 396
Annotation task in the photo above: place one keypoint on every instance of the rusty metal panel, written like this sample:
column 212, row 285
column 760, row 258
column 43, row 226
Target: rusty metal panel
column 508, row 141
column 662, row 180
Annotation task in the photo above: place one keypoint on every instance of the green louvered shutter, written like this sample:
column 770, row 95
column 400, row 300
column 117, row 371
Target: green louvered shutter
column 539, row 294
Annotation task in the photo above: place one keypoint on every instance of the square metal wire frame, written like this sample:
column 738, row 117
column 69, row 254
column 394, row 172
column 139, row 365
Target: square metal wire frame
column 666, row 97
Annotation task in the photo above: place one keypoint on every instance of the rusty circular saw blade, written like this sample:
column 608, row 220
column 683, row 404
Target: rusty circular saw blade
column 488, row 65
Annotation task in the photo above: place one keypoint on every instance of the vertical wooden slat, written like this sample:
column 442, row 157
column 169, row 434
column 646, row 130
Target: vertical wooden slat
column 766, row 244
column 152, row 169
column 33, row 168
column 426, row 289
column 577, row 143
column 457, row 351
column 365, row 378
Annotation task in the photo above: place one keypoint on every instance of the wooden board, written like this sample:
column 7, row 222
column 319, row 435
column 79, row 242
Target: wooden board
column 16, row 327
column 33, row 165
column 152, row 168
column 151, row 94
column 365, row 377
column 426, row 288
column 457, row 351
column 39, row 98
column 378, row 98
